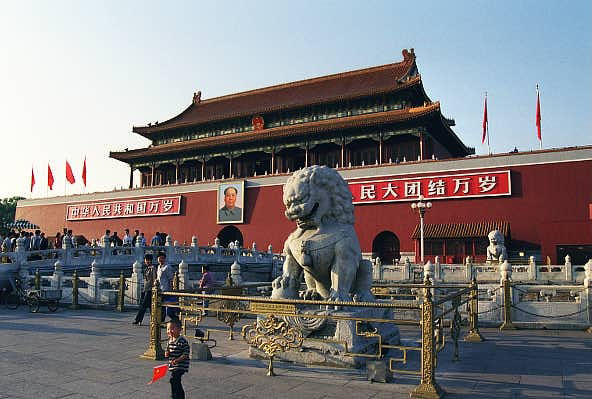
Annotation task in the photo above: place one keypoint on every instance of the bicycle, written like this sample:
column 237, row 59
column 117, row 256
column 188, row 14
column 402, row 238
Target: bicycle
column 20, row 295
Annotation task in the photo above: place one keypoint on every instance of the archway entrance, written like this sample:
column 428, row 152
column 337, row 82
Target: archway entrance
column 387, row 247
column 230, row 234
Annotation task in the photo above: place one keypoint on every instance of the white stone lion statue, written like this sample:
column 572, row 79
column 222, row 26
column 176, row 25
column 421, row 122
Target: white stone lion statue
column 496, row 251
column 324, row 248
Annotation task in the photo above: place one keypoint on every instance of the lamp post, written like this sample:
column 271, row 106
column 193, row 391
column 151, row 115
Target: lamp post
column 421, row 207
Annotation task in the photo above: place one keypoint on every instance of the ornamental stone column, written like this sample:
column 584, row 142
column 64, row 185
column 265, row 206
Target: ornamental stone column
column 94, row 282
column 183, row 275
column 235, row 274
column 58, row 275
column 532, row 269
column 568, row 269
column 137, row 282
column 21, row 259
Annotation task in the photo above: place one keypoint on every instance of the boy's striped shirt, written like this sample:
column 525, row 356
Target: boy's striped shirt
column 177, row 348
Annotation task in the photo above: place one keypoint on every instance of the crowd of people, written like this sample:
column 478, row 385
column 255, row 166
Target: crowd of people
column 38, row 240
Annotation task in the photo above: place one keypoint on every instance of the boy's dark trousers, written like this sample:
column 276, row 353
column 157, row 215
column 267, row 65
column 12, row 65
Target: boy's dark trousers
column 144, row 304
column 176, row 387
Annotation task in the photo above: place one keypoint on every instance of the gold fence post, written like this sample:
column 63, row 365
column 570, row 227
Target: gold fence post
column 474, row 335
column 507, row 324
column 121, row 293
column 75, row 290
column 176, row 281
column 427, row 388
column 154, row 351
column 37, row 280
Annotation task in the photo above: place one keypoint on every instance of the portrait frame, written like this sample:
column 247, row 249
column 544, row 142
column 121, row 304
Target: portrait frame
column 222, row 216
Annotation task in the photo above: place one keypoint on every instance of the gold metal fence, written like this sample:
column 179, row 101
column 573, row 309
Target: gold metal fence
column 271, row 332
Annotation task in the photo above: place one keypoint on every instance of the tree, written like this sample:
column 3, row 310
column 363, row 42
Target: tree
column 7, row 211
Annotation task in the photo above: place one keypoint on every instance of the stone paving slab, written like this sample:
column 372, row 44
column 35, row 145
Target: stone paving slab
column 95, row 354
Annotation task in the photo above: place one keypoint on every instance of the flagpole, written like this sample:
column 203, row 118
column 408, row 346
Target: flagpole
column 538, row 107
column 487, row 128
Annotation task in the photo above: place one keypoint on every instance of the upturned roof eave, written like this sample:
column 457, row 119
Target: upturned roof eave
column 283, row 131
column 398, row 84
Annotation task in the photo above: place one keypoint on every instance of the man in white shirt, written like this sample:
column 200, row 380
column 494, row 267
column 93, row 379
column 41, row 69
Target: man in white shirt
column 165, row 274
column 127, row 239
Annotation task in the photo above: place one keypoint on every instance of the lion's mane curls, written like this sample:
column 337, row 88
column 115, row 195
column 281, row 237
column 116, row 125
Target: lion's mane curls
column 322, row 178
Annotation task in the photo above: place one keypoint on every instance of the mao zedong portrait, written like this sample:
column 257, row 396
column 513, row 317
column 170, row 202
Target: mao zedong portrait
column 230, row 212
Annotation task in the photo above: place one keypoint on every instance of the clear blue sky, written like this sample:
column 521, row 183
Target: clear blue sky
column 75, row 76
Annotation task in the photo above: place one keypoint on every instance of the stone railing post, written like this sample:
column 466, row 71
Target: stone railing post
column 139, row 251
column 532, row 269
column 587, row 293
column 170, row 249
column 428, row 271
column 474, row 335
column 21, row 260
column 235, row 274
column 407, row 270
column 67, row 247
column 428, row 387
column 506, row 274
column 437, row 269
column 195, row 248
column 58, row 275
column 568, row 269
column 94, row 282
column 137, row 282
column 183, row 275
column 154, row 351
column 468, row 269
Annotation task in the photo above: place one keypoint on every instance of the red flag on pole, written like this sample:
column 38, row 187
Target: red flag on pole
column 49, row 177
column 84, row 172
column 158, row 372
column 484, row 122
column 32, row 178
column 538, row 116
column 69, row 174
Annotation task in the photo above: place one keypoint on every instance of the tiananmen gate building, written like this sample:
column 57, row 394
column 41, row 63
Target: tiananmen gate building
column 384, row 135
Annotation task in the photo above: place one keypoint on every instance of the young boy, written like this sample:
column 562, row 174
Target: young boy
column 178, row 353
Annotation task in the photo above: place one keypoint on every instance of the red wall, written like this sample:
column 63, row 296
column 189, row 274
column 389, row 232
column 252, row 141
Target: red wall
column 549, row 205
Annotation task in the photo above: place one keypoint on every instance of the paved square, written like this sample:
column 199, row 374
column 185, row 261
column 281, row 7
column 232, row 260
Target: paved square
column 95, row 354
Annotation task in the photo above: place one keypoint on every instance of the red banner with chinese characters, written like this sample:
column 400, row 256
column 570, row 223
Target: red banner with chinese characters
column 469, row 185
column 159, row 206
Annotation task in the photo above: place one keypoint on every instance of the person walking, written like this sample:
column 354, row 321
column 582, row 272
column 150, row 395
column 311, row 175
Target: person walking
column 206, row 283
column 149, row 273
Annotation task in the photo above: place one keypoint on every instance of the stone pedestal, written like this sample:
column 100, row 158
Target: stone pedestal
column 137, row 282
column 337, row 340
column 200, row 351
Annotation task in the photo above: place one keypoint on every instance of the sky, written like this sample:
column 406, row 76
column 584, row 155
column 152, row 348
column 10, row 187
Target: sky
column 75, row 76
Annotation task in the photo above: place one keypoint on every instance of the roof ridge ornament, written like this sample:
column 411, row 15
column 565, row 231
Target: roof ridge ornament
column 197, row 97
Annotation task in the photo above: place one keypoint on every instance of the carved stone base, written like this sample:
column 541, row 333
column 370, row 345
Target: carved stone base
column 427, row 391
column 336, row 342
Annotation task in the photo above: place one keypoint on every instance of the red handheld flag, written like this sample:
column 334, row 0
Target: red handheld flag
column 69, row 174
column 49, row 177
column 538, row 116
column 32, row 179
column 158, row 372
column 84, row 172
column 484, row 122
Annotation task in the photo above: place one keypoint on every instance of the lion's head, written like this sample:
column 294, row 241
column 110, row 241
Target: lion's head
column 318, row 195
column 496, row 238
